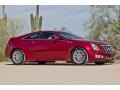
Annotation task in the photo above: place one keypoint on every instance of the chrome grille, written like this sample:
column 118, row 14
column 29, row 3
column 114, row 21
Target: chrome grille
column 107, row 48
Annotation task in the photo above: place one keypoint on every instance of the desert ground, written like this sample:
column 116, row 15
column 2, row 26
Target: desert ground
column 59, row 74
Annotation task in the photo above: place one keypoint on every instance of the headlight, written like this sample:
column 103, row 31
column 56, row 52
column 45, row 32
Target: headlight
column 95, row 47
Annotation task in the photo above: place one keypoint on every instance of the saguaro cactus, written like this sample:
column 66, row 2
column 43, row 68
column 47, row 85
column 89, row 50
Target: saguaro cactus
column 4, row 16
column 36, row 21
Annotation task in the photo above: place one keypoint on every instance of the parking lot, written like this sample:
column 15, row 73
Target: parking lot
column 59, row 74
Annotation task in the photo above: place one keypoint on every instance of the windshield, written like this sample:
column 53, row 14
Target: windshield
column 69, row 35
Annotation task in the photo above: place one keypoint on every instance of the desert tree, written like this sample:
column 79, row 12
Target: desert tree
column 104, row 24
column 8, row 29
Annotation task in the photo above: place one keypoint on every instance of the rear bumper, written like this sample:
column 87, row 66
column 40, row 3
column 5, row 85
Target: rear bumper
column 8, row 51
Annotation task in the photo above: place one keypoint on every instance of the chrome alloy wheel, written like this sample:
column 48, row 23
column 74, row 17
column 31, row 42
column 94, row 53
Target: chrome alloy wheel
column 17, row 57
column 79, row 56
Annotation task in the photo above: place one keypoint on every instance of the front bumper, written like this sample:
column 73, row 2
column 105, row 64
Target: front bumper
column 97, row 56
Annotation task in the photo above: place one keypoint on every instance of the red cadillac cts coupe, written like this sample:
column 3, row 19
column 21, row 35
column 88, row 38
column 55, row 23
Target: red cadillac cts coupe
column 46, row 46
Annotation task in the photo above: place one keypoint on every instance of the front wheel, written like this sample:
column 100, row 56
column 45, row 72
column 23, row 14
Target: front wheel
column 79, row 56
column 18, row 56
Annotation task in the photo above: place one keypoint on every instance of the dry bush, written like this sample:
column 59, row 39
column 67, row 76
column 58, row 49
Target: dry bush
column 8, row 29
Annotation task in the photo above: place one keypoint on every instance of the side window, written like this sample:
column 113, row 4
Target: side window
column 33, row 36
column 40, row 35
column 46, row 35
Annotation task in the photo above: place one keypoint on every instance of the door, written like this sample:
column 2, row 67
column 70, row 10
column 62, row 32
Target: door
column 48, row 49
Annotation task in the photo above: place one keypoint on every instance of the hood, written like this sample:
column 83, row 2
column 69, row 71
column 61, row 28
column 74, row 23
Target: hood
column 91, row 41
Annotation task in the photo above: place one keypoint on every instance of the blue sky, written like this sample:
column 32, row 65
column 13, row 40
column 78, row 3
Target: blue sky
column 73, row 17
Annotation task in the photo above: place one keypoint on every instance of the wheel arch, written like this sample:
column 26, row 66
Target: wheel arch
column 78, row 47
column 16, row 49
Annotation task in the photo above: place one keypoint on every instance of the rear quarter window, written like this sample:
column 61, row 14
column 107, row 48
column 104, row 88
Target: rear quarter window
column 32, row 36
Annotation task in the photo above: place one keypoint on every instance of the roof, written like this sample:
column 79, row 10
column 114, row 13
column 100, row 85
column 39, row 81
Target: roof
column 50, row 31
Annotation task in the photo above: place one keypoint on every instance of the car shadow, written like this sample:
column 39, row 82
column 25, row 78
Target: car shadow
column 57, row 64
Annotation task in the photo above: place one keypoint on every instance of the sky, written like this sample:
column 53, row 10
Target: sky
column 73, row 17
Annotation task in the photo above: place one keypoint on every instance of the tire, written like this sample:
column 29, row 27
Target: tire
column 99, row 63
column 41, row 62
column 79, row 56
column 18, row 57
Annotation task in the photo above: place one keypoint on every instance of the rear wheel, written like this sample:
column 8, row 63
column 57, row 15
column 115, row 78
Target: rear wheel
column 79, row 56
column 18, row 57
column 99, row 63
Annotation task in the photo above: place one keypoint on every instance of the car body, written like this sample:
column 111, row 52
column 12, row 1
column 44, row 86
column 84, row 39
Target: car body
column 56, row 46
